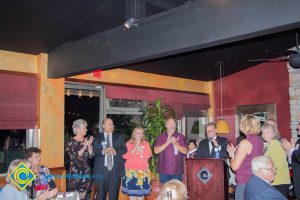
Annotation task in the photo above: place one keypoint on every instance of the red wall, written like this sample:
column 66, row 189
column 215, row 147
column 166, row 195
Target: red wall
column 262, row 84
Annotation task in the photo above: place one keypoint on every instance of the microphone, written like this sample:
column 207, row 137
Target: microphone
column 210, row 139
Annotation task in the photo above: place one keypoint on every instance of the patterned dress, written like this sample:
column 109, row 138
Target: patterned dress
column 136, row 181
column 43, row 177
column 79, row 176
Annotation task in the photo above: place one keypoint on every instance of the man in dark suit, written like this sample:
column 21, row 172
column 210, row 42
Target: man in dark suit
column 213, row 145
column 259, row 186
column 109, row 164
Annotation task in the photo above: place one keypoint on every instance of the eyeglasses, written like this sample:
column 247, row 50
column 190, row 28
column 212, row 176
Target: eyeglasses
column 270, row 169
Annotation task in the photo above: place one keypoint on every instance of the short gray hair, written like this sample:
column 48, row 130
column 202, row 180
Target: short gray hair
column 13, row 164
column 270, row 128
column 79, row 123
column 259, row 162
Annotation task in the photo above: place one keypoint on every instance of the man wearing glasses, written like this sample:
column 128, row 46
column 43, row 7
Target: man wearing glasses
column 259, row 186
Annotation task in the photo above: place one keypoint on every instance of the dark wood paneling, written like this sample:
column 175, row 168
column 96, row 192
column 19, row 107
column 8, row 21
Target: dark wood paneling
column 215, row 188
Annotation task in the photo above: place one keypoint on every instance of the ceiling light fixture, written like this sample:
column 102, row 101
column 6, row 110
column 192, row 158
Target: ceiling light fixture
column 222, row 126
column 131, row 22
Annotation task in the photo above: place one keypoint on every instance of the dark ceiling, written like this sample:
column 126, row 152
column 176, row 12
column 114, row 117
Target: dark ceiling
column 202, row 64
column 35, row 26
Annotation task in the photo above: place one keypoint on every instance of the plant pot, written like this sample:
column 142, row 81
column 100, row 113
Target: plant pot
column 155, row 185
column 155, row 190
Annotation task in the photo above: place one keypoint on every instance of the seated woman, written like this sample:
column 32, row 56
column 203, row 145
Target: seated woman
column 12, row 192
column 174, row 190
column 43, row 176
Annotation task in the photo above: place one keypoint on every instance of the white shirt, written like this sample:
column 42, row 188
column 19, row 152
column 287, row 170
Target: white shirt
column 105, row 146
column 211, row 146
column 263, row 179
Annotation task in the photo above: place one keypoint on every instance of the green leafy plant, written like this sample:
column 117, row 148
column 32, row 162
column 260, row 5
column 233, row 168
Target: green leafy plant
column 154, row 118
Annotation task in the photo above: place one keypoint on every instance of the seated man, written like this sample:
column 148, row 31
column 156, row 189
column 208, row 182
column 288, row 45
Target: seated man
column 259, row 187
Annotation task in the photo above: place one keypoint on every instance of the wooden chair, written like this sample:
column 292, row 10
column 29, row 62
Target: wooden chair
column 95, row 189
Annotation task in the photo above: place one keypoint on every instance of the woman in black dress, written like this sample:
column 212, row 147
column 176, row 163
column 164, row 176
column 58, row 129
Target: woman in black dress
column 80, row 150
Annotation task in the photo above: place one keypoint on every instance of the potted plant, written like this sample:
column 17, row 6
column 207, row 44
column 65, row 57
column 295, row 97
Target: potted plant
column 154, row 118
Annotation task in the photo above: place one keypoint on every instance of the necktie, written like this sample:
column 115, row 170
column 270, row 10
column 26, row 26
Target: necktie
column 109, row 156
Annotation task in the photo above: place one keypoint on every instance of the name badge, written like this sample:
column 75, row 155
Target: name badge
column 104, row 143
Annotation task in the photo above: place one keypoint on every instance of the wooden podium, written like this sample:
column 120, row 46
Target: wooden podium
column 207, row 179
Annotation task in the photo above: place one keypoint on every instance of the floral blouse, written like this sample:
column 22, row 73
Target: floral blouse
column 43, row 177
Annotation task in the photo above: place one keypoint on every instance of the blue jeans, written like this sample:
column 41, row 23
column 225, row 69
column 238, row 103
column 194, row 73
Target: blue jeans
column 167, row 177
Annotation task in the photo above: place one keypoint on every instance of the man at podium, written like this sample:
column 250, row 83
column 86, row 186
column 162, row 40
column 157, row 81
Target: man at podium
column 213, row 146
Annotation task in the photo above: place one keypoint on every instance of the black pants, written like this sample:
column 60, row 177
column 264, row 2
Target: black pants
column 283, row 189
column 109, row 184
column 296, row 179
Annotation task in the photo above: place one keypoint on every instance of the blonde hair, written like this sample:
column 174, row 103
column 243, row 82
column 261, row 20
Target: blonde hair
column 250, row 125
column 13, row 164
column 132, row 139
column 173, row 190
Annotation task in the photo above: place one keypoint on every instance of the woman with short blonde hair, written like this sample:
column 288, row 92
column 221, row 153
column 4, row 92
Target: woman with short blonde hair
column 242, row 155
column 250, row 125
column 11, row 190
column 12, row 166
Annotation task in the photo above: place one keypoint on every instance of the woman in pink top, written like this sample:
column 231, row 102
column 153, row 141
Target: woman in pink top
column 136, row 182
column 243, row 154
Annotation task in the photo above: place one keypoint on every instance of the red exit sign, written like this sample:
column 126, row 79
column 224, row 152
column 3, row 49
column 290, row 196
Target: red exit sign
column 97, row 73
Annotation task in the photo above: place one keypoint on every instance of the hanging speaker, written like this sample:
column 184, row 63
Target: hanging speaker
column 294, row 60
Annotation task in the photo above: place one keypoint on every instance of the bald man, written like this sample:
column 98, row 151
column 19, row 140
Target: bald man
column 109, row 165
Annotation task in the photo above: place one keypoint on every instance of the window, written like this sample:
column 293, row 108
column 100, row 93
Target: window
column 126, row 114
column 12, row 146
column 195, row 125
column 261, row 111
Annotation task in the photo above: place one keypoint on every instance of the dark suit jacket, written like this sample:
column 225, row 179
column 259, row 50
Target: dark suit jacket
column 258, row 189
column 296, row 172
column 120, row 147
column 296, row 156
column 203, row 148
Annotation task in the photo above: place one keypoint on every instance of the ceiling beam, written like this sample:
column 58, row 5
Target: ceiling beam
column 190, row 27
column 163, row 4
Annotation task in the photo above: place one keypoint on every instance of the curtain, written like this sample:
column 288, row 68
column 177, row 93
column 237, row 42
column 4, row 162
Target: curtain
column 18, row 101
column 182, row 102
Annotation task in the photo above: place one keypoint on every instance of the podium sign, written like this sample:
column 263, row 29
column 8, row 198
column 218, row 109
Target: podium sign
column 207, row 179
